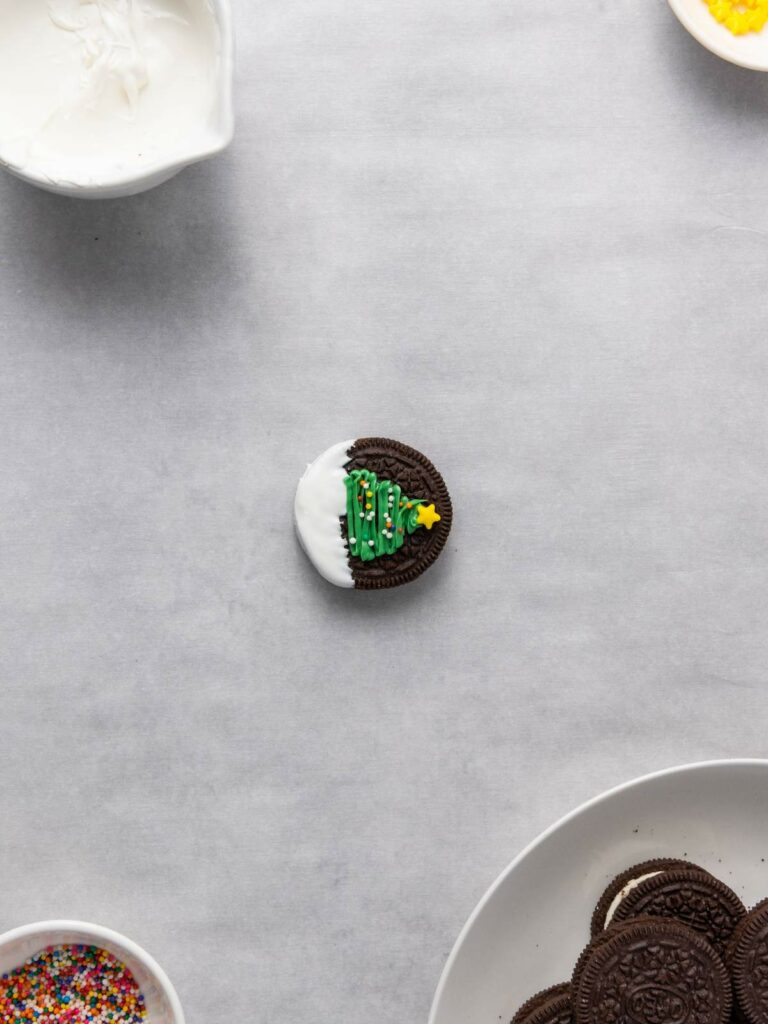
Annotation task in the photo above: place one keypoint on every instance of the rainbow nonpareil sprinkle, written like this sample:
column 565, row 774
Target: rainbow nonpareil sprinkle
column 71, row 985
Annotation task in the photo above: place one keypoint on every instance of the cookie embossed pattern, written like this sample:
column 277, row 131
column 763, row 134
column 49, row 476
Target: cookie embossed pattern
column 652, row 971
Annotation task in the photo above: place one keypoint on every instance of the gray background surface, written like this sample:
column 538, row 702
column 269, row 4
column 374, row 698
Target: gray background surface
column 528, row 238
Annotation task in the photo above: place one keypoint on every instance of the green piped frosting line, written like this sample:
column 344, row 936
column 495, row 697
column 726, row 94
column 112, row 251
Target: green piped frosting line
column 381, row 528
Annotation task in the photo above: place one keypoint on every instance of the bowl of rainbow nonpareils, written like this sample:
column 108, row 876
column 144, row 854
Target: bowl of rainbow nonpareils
column 736, row 30
column 69, row 971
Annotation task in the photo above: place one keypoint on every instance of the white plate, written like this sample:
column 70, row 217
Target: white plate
column 750, row 50
column 533, row 922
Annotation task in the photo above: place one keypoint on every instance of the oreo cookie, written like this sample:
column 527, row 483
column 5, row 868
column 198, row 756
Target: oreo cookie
column 650, row 971
column 693, row 897
column 550, row 1006
column 372, row 513
column 625, row 882
column 747, row 958
column 588, row 952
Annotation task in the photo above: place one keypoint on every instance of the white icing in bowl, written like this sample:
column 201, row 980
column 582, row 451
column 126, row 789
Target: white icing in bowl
column 112, row 96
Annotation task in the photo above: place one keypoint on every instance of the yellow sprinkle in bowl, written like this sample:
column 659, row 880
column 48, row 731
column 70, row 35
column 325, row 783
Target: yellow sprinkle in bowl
column 743, row 43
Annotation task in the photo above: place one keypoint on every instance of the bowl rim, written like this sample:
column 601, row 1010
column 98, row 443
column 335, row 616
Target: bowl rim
column 594, row 801
column 221, row 138
column 710, row 42
column 100, row 933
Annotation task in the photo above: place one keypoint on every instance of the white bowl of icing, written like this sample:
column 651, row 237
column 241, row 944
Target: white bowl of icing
column 113, row 97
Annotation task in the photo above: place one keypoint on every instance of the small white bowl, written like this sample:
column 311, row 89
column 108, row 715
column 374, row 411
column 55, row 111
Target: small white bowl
column 220, row 136
column 163, row 1006
column 749, row 51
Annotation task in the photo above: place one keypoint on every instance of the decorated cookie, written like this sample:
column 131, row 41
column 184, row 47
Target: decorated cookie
column 691, row 896
column 650, row 971
column 551, row 1006
column 372, row 513
column 623, row 884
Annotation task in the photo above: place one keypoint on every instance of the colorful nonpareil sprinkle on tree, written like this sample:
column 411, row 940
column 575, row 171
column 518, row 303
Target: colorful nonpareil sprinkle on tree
column 71, row 985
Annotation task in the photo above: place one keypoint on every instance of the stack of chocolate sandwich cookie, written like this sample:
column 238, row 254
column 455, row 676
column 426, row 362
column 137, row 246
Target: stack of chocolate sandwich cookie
column 671, row 944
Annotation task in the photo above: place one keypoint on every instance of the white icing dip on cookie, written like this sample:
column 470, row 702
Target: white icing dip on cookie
column 623, row 893
column 96, row 91
column 321, row 502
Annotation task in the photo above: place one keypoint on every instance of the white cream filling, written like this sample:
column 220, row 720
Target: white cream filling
column 99, row 90
column 623, row 893
column 321, row 501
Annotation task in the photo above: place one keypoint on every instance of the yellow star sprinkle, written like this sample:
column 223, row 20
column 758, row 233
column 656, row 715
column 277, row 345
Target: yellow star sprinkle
column 426, row 516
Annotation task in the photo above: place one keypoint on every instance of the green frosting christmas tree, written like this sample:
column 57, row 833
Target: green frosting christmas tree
column 379, row 515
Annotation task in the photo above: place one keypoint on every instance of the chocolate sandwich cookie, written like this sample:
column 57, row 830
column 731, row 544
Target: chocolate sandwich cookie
column 693, row 897
column 747, row 959
column 594, row 944
column 650, row 971
column 734, row 940
column 625, row 882
column 372, row 513
column 550, row 1006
